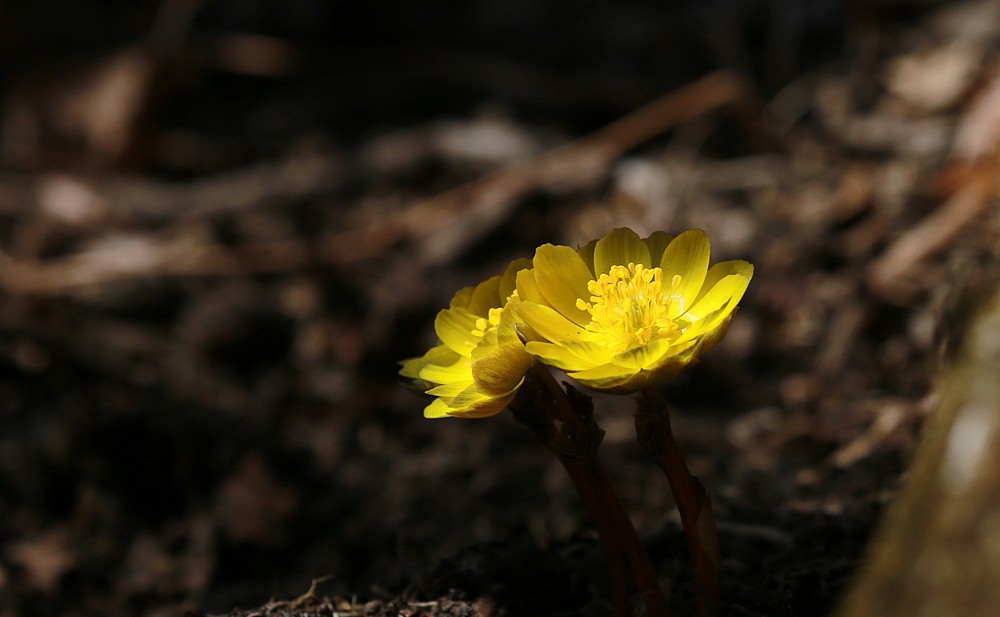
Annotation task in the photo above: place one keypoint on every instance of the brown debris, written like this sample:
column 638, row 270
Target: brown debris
column 45, row 558
column 253, row 507
column 198, row 393
column 891, row 274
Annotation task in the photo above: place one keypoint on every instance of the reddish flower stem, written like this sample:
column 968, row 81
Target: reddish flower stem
column 635, row 553
column 536, row 408
column 579, row 427
column 652, row 425
column 614, row 558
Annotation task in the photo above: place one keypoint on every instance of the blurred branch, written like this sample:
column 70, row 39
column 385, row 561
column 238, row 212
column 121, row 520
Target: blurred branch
column 889, row 273
column 444, row 225
column 441, row 226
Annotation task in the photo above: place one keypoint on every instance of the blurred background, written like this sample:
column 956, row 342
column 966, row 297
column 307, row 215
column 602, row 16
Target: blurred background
column 223, row 223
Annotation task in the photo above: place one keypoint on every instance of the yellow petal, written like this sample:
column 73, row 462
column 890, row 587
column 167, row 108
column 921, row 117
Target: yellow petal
column 483, row 409
column 620, row 248
column 562, row 278
column 560, row 357
column 439, row 354
column 506, row 332
column 454, row 327
column 586, row 253
column 604, row 377
column 677, row 350
column 657, row 243
column 590, row 353
column 508, row 281
column 668, row 368
column 437, row 409
column 729, row 289
column 687, row 255
column 710, row 327
column 548, row 323
column 468, row 397
column 512, row 326
column 436, row 373
column 461, row 298
column 502, row 370
column 488, row 342
column 723, row 269
column 644, row 356
column 474, row 404
column 485, row 296
column 553, row 355
column 716, row 334
column 411, row 367
column 527, row 288
column 450, row 390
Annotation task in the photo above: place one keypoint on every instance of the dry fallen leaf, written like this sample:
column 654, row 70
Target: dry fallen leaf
column 45, row 558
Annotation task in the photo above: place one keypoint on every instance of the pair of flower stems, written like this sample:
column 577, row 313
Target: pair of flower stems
column 564, row 422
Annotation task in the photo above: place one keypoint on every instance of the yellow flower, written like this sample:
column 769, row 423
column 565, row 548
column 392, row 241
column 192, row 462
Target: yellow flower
column 625, row 313
column 481, row 362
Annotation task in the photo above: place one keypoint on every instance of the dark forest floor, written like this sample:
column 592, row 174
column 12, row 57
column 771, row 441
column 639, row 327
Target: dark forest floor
column 215, row 248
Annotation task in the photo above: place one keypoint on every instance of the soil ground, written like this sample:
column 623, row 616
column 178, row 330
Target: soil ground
column 223, row 224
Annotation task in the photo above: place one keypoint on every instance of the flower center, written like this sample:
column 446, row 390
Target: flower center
column 485, row 324
column 628, row 307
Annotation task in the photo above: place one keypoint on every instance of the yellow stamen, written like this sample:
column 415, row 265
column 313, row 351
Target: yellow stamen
column 628, row 307
column 485, row 324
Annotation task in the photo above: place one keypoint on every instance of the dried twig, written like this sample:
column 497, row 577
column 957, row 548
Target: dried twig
column 442, row 226
column 447, row 223
column 888, row 274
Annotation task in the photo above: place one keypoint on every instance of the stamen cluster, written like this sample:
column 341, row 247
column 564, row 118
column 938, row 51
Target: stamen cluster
column 492, row 320
column 619, row 314
column 628, row 307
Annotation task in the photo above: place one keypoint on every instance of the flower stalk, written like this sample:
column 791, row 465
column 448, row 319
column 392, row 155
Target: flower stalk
column 536, row 409
column 576, row 416
column 694, row 504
